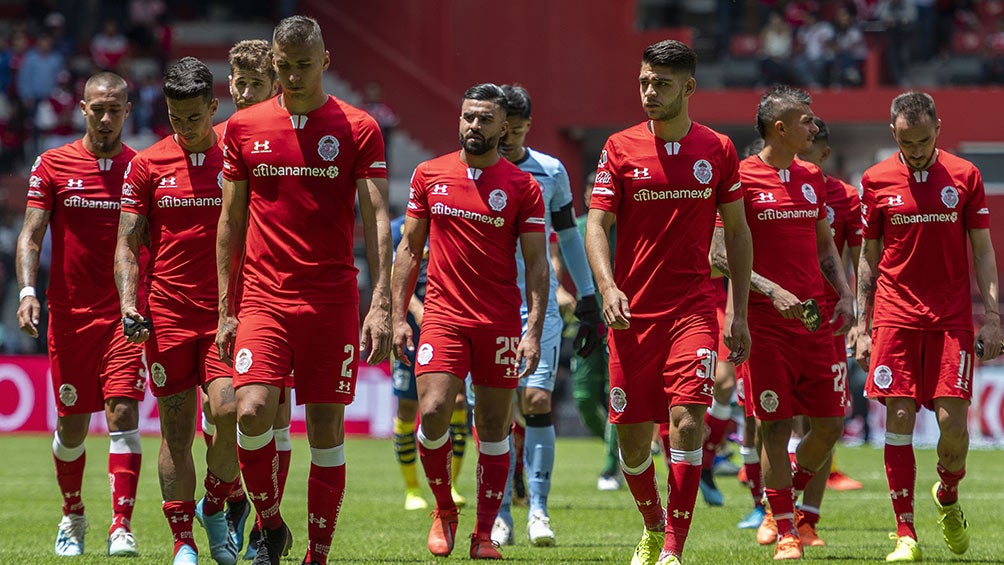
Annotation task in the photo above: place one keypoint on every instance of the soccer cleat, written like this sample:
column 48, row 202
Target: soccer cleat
column 70, row 537
column 807, row 533
column 458, row 499
column 752, row 520
column 538, row 529
column 222, row 547
column 954, row 527
column 121, row 543
column 608, row 483
column 272, row 545
column 502, row 532
column 482, row 547
column 443, row 531
column 237, row 518
column 839, row 481
column 413, row 500
column 186, row 555
column 709, row 490
column 668, row 559
column 907, row 550
column 788, row 547
column 766, row 534
column 649, row 548
column 253, row 537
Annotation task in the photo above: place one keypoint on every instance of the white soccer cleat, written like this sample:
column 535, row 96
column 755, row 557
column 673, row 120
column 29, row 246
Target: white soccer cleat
column 608, row 483
column 122, row 544
column 70, row 537
column 538, row 529
column 501, row 532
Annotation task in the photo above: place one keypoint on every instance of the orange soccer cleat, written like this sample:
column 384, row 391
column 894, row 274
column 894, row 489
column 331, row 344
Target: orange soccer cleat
column 766, row 534
column 788, row 547
column 443, row 531
column 839, row 481
column 482, row 547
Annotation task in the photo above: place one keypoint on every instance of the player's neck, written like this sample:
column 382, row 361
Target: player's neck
column 201, row 147
column 483, row 161
column 299, row 107
column 777, row 157
column 111, row 153
column 673, row 129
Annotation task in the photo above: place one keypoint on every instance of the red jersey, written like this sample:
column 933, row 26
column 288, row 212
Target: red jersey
column 923, row 218
column 475, row 218
column 782, row 208
column 301, row 172
column 178, row 193
column 843, row 212
column 82, row 193
column 665, row 195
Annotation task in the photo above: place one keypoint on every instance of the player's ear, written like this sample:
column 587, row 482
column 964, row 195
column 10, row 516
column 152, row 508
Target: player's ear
column 690, row 86
column 213, row 106
column 128, row 108
column 327, row 59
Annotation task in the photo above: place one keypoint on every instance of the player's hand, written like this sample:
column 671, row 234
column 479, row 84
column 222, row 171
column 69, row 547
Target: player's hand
column 844, row 307
column 990, row 336
column 403, row 344
column 852, row 336
column 528, row 355
column 591, row 329
column 376, row 336
column 789, row 306
column 616, row 311
column 566, row 302
column 737, row 339
column 142, row 331
column 27, row 315
column 226, row 335
column 863, row 348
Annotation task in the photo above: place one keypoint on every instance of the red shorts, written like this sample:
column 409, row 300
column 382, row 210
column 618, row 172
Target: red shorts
column 919, row 364
column 319, row 343
column 655, row 365
column 794, row 373
column 181, row 350
column 742, row 385
column 91, row 361
column 487, row 353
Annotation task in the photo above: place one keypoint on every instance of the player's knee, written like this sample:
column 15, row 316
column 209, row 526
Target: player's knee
column 537, row 401
column 954, row 430
column 122, row 413
column 776, row 431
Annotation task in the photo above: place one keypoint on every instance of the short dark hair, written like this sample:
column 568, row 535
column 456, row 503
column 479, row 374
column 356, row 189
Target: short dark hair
column 913, row 106
column 824, row 132
column 297, row 30
column 517, row 100
column 109, row 80
column 490, row 92
column 776, row 102
column 252, row 55
column 671, row 53
column 188, row 78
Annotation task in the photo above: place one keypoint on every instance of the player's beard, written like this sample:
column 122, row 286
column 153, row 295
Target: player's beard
column 105, row 144
column 479, row 145
column 669, row 111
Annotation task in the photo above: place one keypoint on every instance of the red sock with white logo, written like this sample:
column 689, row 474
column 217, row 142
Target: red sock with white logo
column 237, row 493
column 325, row 491
column 283, row 446
column 684, row 480
column 641, row 482
column 69, row 474
column 180, row 514
column 783, row 508
column 948, row 490
column 436, row 455
column 125, row 457
column 800, row 477
column 754, row 474
column 259, row 463
column 217, row 491
column 493, row 472
column 716, row 421
column 901, row 473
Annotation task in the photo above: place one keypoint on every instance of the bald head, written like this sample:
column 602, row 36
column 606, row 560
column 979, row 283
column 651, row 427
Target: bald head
column 106, row 83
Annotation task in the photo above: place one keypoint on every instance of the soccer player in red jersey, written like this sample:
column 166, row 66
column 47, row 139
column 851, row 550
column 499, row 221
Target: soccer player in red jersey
column 794, row 370
column 477, row 206
column 76, row 188
column 292, row 169
column 918, row 206
column 663, row 180
column 170, row 203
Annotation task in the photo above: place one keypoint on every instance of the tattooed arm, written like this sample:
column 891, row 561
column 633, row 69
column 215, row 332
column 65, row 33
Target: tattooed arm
column 132, row 235
column 784, row 302
column 830, row 265
column 871, row 251
column 29, row 245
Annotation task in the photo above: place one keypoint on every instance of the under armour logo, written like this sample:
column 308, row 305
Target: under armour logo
column 962, row 384
column 896, row 200
column 320, row 522
column 436, row 482
column 439, row 189
column 197, row 159
column 894, row 494
column 641, row 173
column 105, row 164
column 784, row 175
column 685, row 514
column 125, row 501
column 767, row 197
column 261, row 147
column 73, row 494
column 180, row 518
column 344, row 386
column 497, row 495
column 299, row 122
column 644, row 503
column 169, row 182
column 262, row 497
column 75, row 183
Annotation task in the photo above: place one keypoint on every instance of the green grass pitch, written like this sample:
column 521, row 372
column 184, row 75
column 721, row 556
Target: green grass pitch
column 591, row 526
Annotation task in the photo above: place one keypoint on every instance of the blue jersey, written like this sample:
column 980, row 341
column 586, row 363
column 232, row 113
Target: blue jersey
column 397, row 232
column 557, row 193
